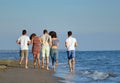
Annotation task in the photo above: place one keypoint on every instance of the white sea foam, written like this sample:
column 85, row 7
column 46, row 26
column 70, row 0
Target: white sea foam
column 96, row 75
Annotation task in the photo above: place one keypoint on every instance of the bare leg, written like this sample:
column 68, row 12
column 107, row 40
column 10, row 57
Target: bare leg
column 42, row 62
column 47, row 62
column 56, row 62
column 73, row 62
column 70, row 66
column 21, row 60
column 21, row 57
column 26, row 62
column 26, row 58
column 34, row 62
column 38, row 59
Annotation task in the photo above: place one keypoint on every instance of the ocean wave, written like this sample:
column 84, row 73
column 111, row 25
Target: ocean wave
column 96, row 75
column 63, row 63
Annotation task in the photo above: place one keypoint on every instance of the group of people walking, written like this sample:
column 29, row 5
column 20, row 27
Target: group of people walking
column 48, row 44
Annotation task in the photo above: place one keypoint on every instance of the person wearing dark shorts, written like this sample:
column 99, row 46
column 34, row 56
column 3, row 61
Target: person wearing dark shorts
column 70, row 44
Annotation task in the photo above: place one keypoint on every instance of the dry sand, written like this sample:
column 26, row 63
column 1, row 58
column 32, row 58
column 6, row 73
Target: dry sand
column 11, row 72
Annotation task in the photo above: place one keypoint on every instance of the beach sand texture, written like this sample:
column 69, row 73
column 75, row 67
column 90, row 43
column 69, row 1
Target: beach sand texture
column 11, row 72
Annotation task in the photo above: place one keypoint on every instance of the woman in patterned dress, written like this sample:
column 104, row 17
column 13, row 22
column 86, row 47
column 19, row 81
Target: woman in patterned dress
column 36, row 41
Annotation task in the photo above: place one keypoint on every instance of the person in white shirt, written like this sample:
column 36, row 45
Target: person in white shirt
column 70, row 44
column 24, row 41
column 46, row 43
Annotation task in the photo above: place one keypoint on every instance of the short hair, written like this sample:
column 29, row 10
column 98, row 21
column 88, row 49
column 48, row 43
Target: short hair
column 45, row 31
column 69, row 33
column 24, row 32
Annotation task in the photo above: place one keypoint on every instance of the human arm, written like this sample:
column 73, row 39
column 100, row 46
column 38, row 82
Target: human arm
column 66, row 44
column 18, row 41
column 50, row 41
column 40, row 40
column 29, row 41
column 58, row 43
column 76, row 44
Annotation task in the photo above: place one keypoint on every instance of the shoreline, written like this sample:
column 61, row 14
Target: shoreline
column 12, row 72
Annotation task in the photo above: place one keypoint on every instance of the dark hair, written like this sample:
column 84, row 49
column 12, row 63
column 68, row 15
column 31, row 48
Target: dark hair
column 53, row 34
column 32, row 35
column 45, row 31
column 24, row 32
column 69, row 33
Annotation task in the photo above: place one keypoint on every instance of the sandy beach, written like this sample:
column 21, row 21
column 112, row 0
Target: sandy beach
column 11, row 72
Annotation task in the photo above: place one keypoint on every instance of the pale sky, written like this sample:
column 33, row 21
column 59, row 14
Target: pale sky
column 95, row 23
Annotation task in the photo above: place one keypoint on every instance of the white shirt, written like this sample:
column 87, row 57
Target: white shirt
column 24, row 39
column 71, row 43
column 46, row 39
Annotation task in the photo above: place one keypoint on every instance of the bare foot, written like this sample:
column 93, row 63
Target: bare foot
column 47, row 68
column 42, row 67
column 26, row 67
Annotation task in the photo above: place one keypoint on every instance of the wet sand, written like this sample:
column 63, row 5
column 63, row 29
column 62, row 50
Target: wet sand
column 11, row 72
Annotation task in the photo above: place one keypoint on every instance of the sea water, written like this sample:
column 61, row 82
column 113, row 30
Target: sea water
column 90, row 66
